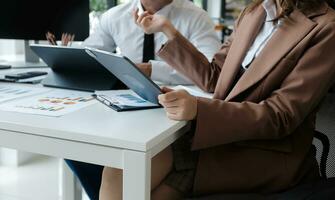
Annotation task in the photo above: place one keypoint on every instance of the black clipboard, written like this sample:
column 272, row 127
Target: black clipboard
column 117, row 108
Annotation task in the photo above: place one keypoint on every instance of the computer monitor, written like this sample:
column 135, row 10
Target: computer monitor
column 31, row 19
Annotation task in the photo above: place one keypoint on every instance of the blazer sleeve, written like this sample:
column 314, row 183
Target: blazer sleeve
column 201, row 33
column 185, row 58
column 221, row 122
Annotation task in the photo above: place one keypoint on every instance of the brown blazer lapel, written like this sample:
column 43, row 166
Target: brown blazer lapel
column 289, row 33
column 250, row 25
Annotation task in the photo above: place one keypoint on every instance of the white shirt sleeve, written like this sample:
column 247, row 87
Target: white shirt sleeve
column 164, row 73
column 202, row 35
column 101, row 36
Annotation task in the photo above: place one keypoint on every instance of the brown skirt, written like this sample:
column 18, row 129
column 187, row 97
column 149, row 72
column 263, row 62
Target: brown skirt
column 185, row 161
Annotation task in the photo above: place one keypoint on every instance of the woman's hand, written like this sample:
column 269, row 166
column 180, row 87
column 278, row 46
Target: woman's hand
column 179, row 105
column 154, row 23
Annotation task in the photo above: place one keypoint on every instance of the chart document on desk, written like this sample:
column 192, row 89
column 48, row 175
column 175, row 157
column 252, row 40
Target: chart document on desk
column 54, row 103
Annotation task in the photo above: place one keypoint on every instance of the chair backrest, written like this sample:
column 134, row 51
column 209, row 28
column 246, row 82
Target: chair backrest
column 324, row 153
column 331, row 3
column 326, row 124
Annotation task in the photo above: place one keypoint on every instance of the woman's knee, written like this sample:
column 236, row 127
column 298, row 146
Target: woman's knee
column 165, row 192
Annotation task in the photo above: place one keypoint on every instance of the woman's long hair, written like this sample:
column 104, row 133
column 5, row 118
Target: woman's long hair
column 288, row 6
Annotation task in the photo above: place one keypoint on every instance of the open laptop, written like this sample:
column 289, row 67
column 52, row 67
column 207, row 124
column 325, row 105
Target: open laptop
column 73, row 68
column 127, row 72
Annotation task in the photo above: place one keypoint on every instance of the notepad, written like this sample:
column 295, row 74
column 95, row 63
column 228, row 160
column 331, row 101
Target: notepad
column 123, row 100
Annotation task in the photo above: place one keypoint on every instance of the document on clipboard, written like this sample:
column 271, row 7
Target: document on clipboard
column 123, row 100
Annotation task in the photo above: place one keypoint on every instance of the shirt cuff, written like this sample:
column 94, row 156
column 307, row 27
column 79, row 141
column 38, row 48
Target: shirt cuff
column 159, row 72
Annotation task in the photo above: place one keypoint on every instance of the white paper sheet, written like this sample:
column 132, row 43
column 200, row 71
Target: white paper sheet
column 193, row 90
column 54, row 103
column 10, row 92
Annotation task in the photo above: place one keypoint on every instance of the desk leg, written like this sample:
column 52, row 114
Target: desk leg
column 70, row 188
column 136, row 175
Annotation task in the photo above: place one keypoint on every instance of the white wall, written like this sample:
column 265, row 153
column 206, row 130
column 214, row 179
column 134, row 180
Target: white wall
column 12, row 157
column 214, row 8
column 7, row 47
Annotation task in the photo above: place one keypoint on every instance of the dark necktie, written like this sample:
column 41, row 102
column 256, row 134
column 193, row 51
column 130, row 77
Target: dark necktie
column 148, row 48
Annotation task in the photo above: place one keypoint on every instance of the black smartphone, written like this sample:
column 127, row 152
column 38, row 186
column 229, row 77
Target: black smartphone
column 25, row 75
column 5, row 66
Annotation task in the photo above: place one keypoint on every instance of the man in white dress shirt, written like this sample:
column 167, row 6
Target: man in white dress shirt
column 118, row 31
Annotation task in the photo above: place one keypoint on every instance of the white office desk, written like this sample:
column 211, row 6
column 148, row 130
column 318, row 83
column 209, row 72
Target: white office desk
column 98, row 135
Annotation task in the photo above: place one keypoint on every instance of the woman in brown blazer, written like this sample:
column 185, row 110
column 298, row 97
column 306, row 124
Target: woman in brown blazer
column 255, row 135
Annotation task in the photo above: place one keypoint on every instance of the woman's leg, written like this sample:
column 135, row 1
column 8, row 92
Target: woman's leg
column 111, row 186
column 165, row 192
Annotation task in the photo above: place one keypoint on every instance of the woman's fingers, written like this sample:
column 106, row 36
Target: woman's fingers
column 164, row 97
column 176, row 103
column 166, row 89
column 172, row 96
column 172, row 116
column 179, row 105
column 172, row 110
column 168, row 97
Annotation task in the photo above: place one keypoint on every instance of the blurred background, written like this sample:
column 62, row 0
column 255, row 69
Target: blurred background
column 223, row 13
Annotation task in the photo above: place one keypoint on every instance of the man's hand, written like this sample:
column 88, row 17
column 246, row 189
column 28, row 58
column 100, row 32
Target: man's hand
column 154, row 23
column 179, row 105
column 146, row 68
